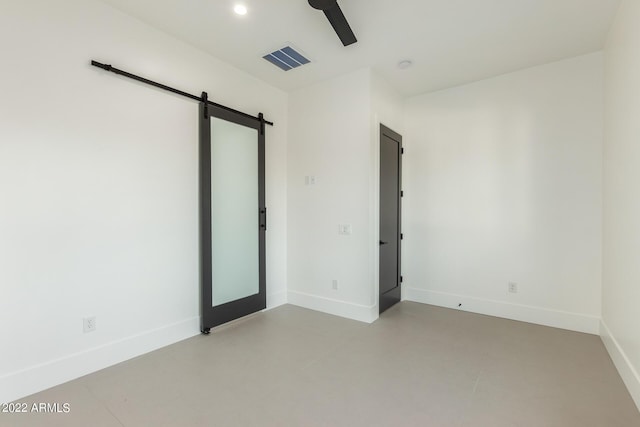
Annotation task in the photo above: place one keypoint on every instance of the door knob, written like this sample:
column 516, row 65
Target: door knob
column 383, row 243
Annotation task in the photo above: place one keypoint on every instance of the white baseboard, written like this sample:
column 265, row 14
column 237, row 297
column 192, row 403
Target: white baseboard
column 524, row 313
column 276, row 299
column 28, row 381
column 625, row 368
column 362, row 313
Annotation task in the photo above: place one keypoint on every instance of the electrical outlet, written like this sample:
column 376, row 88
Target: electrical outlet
column 334, row 284
column 513, row 287
column 310, row 180
column 89, row 324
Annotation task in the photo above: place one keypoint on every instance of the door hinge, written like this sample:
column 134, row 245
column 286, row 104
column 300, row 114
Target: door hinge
column 401, row 150
column 402, row 194
column 263, row 219
column 401, row 279
column 401, row 236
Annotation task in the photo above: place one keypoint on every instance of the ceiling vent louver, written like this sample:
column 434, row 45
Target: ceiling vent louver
column 286, row 58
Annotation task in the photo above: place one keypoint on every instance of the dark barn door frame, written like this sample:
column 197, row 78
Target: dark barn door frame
column 212, row 316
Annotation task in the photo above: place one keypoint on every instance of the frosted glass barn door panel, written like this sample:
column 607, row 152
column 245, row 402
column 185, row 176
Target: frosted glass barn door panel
column 235, row 212
column 233, row 216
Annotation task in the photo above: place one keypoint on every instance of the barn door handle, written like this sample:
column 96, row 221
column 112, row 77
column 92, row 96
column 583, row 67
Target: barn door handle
column 263, row 219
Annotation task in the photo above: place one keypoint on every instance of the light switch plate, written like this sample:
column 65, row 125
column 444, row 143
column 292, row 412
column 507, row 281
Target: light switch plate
column 345, row 229
column 89, row 324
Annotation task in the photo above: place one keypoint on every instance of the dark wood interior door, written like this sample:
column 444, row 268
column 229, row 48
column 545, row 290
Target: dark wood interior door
column 390, row 212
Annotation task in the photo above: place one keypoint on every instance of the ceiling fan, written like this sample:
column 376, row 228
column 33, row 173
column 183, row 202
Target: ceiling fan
column 335, row 16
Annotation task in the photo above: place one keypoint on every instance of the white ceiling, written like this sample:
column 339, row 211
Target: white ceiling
column 450, row 42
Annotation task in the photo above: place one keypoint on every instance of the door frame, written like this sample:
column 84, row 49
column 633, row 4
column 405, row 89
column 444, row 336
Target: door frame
column 210, row 316
column 393, row 296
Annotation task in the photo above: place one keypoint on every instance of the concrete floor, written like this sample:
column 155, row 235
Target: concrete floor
column 418, row 365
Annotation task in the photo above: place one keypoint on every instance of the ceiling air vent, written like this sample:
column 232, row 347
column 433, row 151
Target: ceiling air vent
column 286, row 58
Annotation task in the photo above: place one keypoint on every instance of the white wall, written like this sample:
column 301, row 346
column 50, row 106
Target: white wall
column 386, row 104
column 98, row 189
column 621, row 276
column 386, row 109
column 333, row 136
column 503, row 182
column 330, row 138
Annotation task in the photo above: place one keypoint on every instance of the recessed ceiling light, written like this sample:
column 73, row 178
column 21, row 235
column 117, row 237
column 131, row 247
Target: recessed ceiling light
column 404, row 64
column 240, row 9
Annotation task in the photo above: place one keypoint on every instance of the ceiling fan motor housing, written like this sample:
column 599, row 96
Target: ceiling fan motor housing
column 322, row 4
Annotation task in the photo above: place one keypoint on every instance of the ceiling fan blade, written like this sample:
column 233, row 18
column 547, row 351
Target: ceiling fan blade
column 340, row 25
